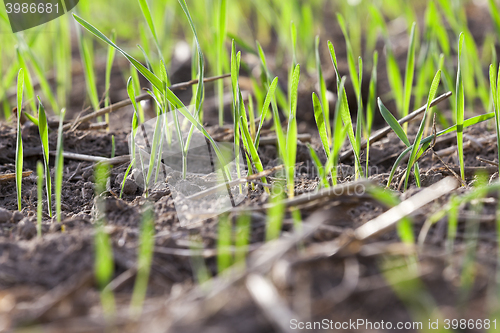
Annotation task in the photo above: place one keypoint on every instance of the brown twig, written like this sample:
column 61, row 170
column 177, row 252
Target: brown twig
column 139, row 98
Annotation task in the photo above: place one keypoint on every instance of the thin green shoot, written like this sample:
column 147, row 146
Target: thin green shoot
column 39, row 204
column 43, row 129
column 276, row 212
column 495, row 96
column 224, row 256
column 265, row 108
column 221, row 54
column 370, row 108
column 19, row 141
column 109, row 66
column 350, row 56
column 144, row 261
column 460, row 109
column 242, row 238
column 104, row 262
column 344, row 112
column 88, row 70
column 322, row 92
column 418, row 138
column 291, row 135
column 113, row 148
column 409, row 73
column 59, row 165
column 28, row 82
column 320, row 118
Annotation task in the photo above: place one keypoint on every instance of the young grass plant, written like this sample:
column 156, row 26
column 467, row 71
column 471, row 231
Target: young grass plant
column 59, row 165
column 43, row 129
column 409, row 73
column 19, row 141
column 344, row 112
column 144, row 261
column 104, row 263
column 460, row 108
column 39, row 208
column 418, row 138
column 88, row 66
column 370, row 108
column 495, row 96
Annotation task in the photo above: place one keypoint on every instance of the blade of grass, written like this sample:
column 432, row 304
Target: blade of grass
column 144, row 261
column 418, row 138
column 319, row 116
column 43, row 129
column 460, row 106
column 19, row 141
column 409, row 73
column 39, row 171
column 322, row 91
column 59, row 165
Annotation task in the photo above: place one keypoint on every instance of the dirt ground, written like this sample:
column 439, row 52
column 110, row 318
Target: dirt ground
column 47, row 284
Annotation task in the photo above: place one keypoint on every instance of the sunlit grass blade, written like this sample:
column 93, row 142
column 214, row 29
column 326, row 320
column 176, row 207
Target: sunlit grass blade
column 39, row 204
column 395, row 80
column 319, row 116
column 144, row 260
column 243, row 228
column 350, row 55
column 418, row 138
column 109, row 65
column 291, row 135
column 224, row 257
column 19, row 141
column 276, row 213
column 460, row 109
column 149, row 20
column 221, row 55
column 409, row 73
column 43, row 129
column 495, row 96
column 322, row 91
column 88, row 70
column 265, row 108
column 28, row 82
column 393, row 123
column 59, row 165
column 370, row 107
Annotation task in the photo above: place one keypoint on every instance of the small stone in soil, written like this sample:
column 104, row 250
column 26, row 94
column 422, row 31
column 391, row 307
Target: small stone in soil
column 5, row 215
column 130, row 187
column 17, row 216
column 26, row 229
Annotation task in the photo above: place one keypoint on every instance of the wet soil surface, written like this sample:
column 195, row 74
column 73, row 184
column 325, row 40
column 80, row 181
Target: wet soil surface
column 49, row 281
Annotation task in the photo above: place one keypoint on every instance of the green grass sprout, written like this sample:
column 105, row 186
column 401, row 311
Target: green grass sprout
column 43, row 129
column 144, row 261
column 460, row 106
column 39, row 205
column 19, row 141
column 59, row 165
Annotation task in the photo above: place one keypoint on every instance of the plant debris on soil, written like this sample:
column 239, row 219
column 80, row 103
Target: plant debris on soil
column 346, row 262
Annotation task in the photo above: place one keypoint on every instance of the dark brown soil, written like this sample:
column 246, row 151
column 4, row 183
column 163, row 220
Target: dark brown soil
column 49, row 283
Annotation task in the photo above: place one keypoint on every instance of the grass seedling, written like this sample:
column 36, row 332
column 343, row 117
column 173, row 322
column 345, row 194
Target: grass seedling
column 59, row 165
column 344, row 112
column 39, row 204
column 242, row 238
column 276, row 212
column 104, row 263
column 370, row 108
column 109, row 66
column 224, row 256
column 418, row 138
column 28, row 82
column 495, row 96
column 88, row 69
column 221, row 54
column 144, row 261
column 409, row 73
column 19, row 141
column 323, row 96
column 291, row 134
column 43, row 129
column 460, row 108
